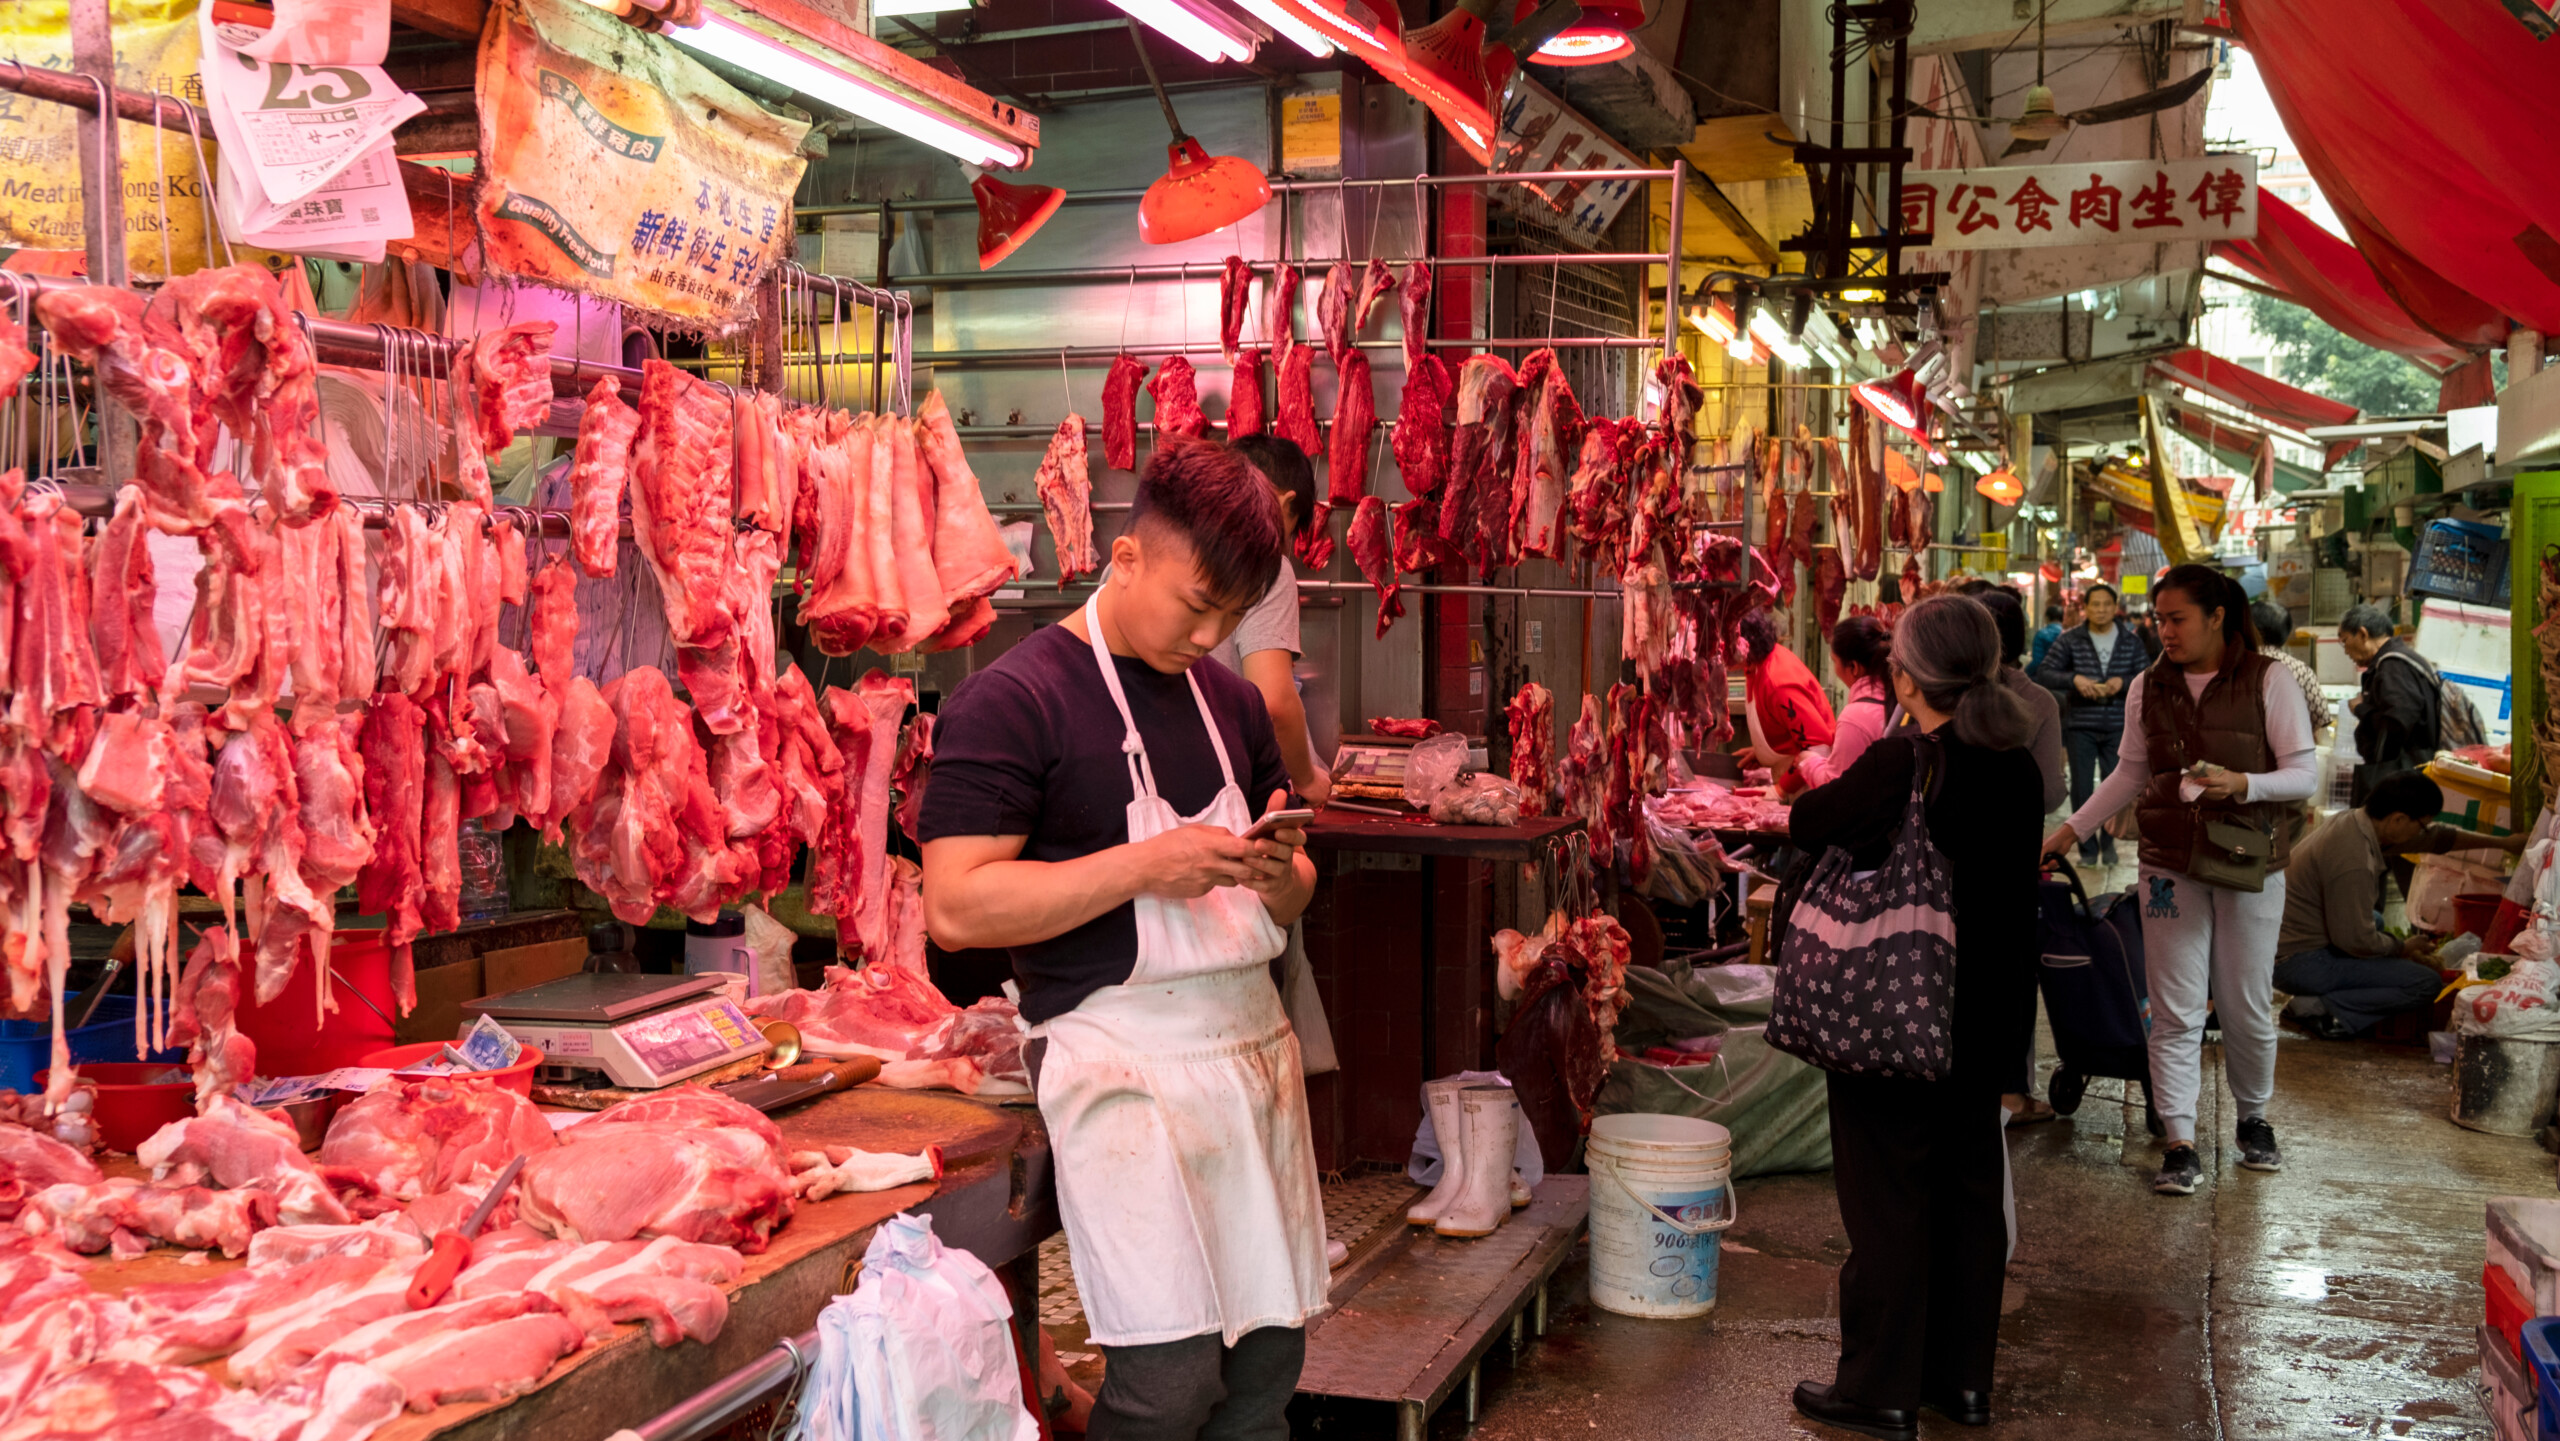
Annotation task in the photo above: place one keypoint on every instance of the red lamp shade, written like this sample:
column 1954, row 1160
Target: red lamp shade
column 1199, row 193
column 1899, row 402
column 1448, row 67
column 1604, row 33
column 1933, row 482
column 2002, row 486
column 1007, row 214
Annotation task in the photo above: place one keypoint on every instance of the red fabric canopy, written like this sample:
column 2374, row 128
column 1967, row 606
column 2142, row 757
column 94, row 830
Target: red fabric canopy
column 2239, row 385
column 2326, row 276
column 2424, row 126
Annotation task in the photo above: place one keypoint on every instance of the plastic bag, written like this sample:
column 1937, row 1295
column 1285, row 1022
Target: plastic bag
column 921, row 1351
column 768, row 952
column 1434, row 766
column 2522, row 1005
column 1478, row 800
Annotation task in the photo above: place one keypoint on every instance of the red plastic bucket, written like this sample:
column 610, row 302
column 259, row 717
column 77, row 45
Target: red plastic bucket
column 293, row 1039
column 130, row 1104
column 2476, row 913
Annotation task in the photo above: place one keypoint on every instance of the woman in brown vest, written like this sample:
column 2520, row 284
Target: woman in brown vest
column 2217, row 749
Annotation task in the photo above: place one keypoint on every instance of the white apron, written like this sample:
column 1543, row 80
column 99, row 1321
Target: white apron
column 1177, row 1110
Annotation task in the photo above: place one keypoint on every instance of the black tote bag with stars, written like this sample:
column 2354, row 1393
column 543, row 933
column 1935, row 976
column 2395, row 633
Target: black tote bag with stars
column 1866, row 974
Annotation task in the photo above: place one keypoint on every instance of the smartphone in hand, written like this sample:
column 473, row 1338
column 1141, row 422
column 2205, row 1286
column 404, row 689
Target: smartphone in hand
column 1275, row 821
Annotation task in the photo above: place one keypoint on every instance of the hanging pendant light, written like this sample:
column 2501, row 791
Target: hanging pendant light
column 1199, row 192
column 1899, row 401
column 1008, row 214
column 2002, row 486
column 1605, row 32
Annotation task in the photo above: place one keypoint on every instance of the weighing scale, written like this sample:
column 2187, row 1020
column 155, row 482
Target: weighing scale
column 626, row 1030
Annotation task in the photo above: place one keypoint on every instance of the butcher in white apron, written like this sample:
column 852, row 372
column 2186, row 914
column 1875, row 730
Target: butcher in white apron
column 1172, row 1093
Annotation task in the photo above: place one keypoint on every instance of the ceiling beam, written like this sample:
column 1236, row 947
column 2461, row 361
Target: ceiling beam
column 1703, row 186
column 451, row 19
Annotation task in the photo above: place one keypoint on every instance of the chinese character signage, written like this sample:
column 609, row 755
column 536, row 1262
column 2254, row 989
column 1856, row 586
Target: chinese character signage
column 1540, row 132
column 637, row 176
column 2011, row 207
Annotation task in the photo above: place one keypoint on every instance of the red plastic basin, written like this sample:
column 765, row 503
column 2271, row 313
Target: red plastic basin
column 517, row 1078
column 129, row 1108
column 293, row 1039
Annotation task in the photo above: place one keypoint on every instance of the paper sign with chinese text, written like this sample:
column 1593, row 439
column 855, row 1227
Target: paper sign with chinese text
column 618, row 167
column 2013, row 207
column 1540, row 132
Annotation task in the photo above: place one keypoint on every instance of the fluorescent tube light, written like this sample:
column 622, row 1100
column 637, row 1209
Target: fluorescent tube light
column 1277, row 16
column 724, row 39
column 1210, row 36
column 917, row 7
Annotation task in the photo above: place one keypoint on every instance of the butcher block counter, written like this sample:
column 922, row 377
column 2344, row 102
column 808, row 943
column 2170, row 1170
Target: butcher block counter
column 994, row 1199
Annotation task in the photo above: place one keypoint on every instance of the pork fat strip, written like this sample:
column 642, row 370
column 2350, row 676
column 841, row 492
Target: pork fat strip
column 1120, row 412
column 1245, row 412
column 1177, row 397
column 1355, row 415
column 1235, row 301
column 1066, row 497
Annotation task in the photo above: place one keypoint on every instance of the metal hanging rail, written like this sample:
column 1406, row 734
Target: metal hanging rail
column 1280, row 185
column 1213, row 270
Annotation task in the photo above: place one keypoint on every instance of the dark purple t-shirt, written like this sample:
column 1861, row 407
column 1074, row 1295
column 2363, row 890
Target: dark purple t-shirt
column 1030, row 746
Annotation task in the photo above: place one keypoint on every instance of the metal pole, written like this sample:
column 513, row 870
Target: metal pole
column 98, row 134
column 1671, row 271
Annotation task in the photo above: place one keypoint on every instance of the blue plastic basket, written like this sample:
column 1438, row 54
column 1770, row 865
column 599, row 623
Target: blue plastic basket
column 26, row 1047
column 2542, row 1359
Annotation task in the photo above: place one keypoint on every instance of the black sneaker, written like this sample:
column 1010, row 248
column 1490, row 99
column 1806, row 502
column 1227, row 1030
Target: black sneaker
column 2258, row 1146
column 2179, row 1172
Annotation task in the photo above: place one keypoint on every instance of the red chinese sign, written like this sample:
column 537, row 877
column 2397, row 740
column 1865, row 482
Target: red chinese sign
column 2009, row 207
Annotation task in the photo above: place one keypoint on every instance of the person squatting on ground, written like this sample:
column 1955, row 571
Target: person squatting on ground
column 2217, row 749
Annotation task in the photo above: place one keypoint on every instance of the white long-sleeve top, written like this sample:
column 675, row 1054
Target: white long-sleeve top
column 2289, row 736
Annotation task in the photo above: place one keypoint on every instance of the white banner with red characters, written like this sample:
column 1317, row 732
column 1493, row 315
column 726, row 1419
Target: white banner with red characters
column 2012, row 207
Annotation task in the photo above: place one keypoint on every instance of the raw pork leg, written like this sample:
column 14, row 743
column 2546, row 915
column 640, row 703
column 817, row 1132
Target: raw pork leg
column 598, row 476
column 239, row 1147
column 1120, row 412
column 1066, row 497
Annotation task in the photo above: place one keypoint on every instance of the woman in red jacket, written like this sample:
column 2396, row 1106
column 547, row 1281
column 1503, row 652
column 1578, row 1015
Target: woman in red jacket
column 1787, row 711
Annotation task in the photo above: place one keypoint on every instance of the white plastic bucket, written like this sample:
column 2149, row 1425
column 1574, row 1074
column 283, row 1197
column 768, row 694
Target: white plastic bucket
column 1661, row 1198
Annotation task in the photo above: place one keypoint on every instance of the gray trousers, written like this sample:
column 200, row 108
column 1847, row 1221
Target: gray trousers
column 1200, row 1389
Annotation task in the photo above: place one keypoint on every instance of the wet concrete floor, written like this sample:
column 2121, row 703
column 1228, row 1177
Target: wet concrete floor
column 2337, row 1298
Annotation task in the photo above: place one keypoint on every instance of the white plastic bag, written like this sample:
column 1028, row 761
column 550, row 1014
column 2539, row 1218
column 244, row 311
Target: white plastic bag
column 921, row 1351
column 2522, row 1005
column 1434, row 766
column 2441, row 878
column 768, row 951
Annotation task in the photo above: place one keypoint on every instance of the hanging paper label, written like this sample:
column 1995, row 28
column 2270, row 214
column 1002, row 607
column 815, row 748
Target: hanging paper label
column 324, row 32
column 290, row 127
column 617, row 166
column 2107, row 202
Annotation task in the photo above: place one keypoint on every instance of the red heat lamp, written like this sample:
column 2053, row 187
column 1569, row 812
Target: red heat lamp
column 1008, row 214
column 1200, row 192
column 1604, row 33
column 1899, row 401
column 2002, row 486
column 1447, row 66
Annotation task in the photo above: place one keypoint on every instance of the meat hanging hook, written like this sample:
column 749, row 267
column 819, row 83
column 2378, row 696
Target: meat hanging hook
column 160, row 188
column 1065, row 385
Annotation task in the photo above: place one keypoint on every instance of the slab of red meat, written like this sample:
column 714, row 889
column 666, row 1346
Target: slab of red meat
column 653, row 833
column 878, row 1010
column 970, row 557
column 1478, row 485
column 1404, row 727
column 606, row 431
column 1830, row 587
column 1920, row 520
column 1177, row 397
column 1413, row 306
column 1419, row 548
column 682, row 1170
column 242, row 1149
column 140, row 358
column 1373, row 550
column 1280, row 311
column 1769, row 476
column 1245, row 410
column 129, row 1216
column 16, row 361
column 255, row 373
column 1066, row 498
column 1549, row 441
column 1297, row 413
column 410, row 1139
column 680, row 498
column 511, row 379
column 1913, row 578
column 218, row 1056
column 1333, row 311
column 882, row 700
column 1532, row 718
column 1355, row 416
column 54, row 667
column 1863, row 489
column 1804, row 514
column 1120, row 412
column 1421, row 435
column 1235, row 301
column 1375, row 281
column 1314, row 547
column 392, row 744
column 131, row 661
column 1600, row 498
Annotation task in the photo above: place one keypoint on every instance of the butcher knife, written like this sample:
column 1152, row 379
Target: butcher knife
column 770, row 1093
column 453, row 1248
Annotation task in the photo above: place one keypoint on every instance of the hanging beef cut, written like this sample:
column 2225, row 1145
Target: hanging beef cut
column 1419, row 548
column 1333, row 311
column 1177, row 397
column 1280, row 311
column 1315, row 543
column 1297, row 422
column 1373, row 550
column 1421, row 435
column 1478, row 487
column 1532, row 718
column 1244, row 396
column 1863, row 488
column 1120, row 412
column 1355, row 415
column 1066, row 497
column 1413, row 305
column 1235, row 300
column 1830, row 586
column 1375, row 282
column 1550, row 440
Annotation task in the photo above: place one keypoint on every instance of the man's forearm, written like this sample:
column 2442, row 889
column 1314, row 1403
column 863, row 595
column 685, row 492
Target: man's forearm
column 1020, row 903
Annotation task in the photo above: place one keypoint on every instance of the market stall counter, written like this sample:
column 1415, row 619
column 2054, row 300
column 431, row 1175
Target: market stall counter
column 993, row 1199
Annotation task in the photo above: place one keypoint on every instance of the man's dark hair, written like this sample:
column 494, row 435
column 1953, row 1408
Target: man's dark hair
column 2096, row 586
column 2209, row 589
column 1221, row 507
column 1759, row 632
column 2053, row 614
column 1974, row 585
column 2367, row 619
column 2010, row 617
column 1290, row 472
column 2408, row 793
column 2274, row 622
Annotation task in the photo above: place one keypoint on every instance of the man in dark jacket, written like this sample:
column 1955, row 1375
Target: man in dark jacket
column 2396, row 710
column 2087, row 668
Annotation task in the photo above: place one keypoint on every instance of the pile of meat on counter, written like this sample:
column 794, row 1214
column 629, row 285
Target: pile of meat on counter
column 319, row 728
column 639, row 1213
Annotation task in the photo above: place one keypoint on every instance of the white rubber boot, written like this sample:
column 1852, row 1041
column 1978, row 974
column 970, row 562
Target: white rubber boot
column 1492, row 1122
column 1446, row 1125
column 1519, row 1194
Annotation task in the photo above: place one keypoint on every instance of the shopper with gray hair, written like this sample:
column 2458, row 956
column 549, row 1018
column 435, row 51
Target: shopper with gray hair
column 2275, row 626
column 2396, row 710
column 1921, row 1165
